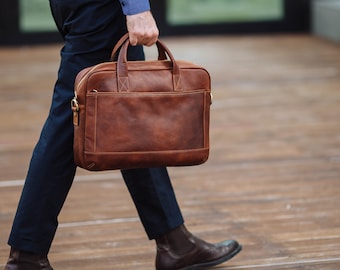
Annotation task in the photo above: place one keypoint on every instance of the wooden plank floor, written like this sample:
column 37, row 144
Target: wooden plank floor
column 272, row 180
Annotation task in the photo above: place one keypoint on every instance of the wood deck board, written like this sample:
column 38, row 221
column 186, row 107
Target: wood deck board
column 272, row 180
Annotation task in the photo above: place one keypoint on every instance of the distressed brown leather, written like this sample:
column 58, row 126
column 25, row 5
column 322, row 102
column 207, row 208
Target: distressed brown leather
column 135, row 114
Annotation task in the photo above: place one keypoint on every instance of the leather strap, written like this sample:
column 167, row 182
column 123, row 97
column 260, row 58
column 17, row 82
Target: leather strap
column 122, row 67
column 118, row 45
column 161, row 52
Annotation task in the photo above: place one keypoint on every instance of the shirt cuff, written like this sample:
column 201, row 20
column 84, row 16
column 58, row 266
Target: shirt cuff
column 131, row 7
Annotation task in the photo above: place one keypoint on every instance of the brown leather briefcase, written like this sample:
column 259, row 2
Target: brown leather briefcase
column 138, row 114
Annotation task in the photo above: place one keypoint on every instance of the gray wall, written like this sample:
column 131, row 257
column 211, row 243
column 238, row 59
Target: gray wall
column 326, row 19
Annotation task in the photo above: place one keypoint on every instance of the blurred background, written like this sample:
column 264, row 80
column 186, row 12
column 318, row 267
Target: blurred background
column 23, row 21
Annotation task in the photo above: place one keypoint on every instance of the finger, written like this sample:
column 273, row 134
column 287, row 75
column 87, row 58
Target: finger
column 133, row 40
column 151, row 42
column 151, row 39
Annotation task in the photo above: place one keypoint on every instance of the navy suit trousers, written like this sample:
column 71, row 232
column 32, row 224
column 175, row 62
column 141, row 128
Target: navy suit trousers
column 90, row 29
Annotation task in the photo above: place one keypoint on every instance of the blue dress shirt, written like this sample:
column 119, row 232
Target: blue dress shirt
column 131, row 7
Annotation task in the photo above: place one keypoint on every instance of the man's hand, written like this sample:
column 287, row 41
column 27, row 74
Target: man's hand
column 142, row 29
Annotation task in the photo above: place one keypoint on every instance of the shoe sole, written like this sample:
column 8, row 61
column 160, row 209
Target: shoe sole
column 213, row 263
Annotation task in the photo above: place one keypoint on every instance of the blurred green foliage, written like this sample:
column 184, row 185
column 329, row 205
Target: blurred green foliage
column 35, row 16
column 216, row 11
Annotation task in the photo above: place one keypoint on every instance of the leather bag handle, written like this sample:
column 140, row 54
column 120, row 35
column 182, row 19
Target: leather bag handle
column 122, row 66
column 118, row 45
column 161, row 52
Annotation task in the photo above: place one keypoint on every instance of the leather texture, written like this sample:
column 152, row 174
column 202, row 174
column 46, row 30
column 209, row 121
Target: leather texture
column 181, row 250
column 139, row 114
column 19, row 260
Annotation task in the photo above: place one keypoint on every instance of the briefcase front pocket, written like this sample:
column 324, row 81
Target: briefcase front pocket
column 167, row 129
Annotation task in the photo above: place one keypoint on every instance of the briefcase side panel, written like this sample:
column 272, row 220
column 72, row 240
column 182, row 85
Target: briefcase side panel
column 79, row 113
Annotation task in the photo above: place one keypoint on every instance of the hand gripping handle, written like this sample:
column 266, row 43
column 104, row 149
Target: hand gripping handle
column 122, row 64
column 161, row 52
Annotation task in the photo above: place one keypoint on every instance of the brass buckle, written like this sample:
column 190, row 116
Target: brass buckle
column 75, row 104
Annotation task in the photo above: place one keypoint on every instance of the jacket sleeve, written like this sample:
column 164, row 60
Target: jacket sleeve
column 131, row 7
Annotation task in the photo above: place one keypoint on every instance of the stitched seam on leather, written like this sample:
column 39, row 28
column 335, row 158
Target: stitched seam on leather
column 124, row 84
column 148, row 152
column 205, row 139
column 95, row 124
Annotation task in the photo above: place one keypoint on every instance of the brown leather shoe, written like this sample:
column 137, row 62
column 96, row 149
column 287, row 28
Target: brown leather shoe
column 20, row 260
column 181, row 250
